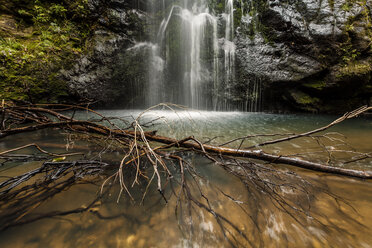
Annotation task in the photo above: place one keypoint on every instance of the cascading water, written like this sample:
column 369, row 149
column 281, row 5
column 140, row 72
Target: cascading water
column 155, row 79
column 187, row 40
column 229, row 49
column 254, row 97
column 191, row 57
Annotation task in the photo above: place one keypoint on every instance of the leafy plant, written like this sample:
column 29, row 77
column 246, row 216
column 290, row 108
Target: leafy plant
column 29, row 67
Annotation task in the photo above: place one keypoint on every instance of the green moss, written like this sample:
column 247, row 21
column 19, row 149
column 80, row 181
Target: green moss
column 256, row 9
column 317, row 84
column 29, row 65
column 217, row 5
column 331, row 4
column 363, row 19
column 346, row 6
column 304, row 99
column 238, row 13
column 354, row 69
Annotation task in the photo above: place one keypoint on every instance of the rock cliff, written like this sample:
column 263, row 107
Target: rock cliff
column 307, row 55
column 312, row 55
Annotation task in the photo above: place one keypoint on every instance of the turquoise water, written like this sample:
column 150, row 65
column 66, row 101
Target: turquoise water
column 333, row 211
column 221, row 127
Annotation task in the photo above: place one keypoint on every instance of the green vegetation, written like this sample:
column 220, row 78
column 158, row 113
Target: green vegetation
column 349, row 52
column 256, row 25
column 217, row 5
column 46, row 38
column 316, row 84
column 354, row 69
column 346, row 6
column 304, row 101
column 331, row 4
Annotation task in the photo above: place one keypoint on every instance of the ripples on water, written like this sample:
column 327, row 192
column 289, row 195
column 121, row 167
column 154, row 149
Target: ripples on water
column 337, row 210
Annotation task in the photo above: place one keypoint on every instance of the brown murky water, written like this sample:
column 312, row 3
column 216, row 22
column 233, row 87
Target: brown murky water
column 322, row 211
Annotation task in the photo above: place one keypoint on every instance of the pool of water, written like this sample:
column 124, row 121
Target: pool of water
column 322, row 210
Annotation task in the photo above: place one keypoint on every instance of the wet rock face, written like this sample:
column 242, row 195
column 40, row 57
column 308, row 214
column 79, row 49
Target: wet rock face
column 311, row 55
column 273, row 63
column 293, row 45
column 95, row 76
column 91, row 76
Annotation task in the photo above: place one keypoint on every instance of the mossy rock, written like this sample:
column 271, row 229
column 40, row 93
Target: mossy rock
column 304, row 101
column 34, row 47
column 316, row 84
column 356, row 68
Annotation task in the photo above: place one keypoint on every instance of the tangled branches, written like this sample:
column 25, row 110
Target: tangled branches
column 18, row 196
column 154, row 159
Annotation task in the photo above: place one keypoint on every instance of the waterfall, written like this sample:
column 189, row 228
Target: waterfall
column 155, row 78
column 229, row 49
column 187, row 42
column 229, row 15
column 198, row 74
column 253, row 96
column 191, row 58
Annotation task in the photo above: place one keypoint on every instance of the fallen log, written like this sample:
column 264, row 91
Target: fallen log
column 260, row 155
column 21, row 194
column 190, row 142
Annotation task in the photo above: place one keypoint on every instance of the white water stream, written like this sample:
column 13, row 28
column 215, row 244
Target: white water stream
column 188, row 43
column 191, row 57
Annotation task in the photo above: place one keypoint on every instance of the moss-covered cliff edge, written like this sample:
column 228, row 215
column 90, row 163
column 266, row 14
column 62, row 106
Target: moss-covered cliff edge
column 37, row 39
column 64, row 51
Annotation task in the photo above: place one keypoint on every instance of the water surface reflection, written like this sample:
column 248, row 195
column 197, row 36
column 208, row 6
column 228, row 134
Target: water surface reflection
column 322, row 210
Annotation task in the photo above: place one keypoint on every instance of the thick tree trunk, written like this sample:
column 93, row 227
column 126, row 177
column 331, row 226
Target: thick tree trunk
column 260, row 155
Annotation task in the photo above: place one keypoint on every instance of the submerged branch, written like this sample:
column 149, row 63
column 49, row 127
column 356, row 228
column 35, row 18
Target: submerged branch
column 346, row 116
column 144, row 164
column 41, row 150
column 139, row 135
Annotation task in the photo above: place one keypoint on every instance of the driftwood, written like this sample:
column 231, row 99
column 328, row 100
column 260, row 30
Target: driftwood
column 190, row 142
column 260, row 155
column 145, row 149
